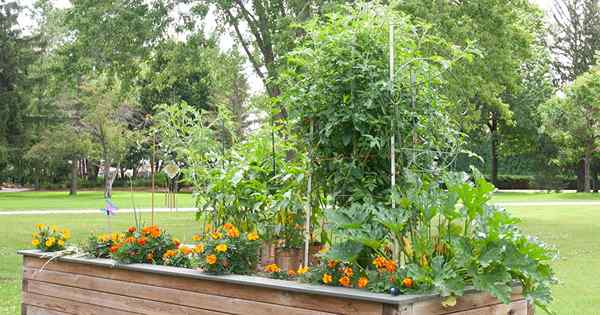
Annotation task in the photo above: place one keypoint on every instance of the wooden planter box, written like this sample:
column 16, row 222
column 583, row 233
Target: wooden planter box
column 72, row 285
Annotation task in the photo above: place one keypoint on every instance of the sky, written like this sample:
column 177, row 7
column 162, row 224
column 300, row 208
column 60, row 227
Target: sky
column 226, row 42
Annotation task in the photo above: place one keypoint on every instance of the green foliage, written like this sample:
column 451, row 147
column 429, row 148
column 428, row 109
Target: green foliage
column 337, row 80
column 489, row 252
column 572, row 118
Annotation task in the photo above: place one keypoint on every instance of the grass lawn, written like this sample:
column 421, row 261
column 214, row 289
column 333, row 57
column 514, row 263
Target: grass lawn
column 33, row 200
column 543, row 196
column 575, row 230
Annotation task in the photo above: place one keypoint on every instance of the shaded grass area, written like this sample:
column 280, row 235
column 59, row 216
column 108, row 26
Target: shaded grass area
column 15, row 233
column 59, row 200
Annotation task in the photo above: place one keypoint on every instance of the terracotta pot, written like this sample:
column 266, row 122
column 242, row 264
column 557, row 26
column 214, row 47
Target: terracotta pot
column 313, row 250
column 288, row 258
column 267, row 253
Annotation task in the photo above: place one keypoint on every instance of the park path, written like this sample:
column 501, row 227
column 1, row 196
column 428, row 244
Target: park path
column 92, row 211
column 89, row 211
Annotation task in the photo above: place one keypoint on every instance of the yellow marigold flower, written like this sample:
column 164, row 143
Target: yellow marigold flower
column 233, row 233
column 344, row 281
column 198, row 249
column 196, row 237
column 40, row 226
column 50, row 242
column 272, row 268
column 362, row 282
column 221, row 248
column 253, row 236
column 327, row 278
column 211, row 259
column 35, row 242
column 104, row 238
column 66, row 234
column 215, row 235
column 61, row 243
column 302, row 270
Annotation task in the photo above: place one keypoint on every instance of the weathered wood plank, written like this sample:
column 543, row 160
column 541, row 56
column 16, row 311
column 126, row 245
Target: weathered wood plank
column 515, row 308
column 167, row 295
column 294, row 299
column 466, row 302
column 34, row 310
column 68, row 307
column 114, row 301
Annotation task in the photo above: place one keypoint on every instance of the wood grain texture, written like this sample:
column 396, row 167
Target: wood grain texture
column 292, row 299
column 515, row 308
column 34, row 310
column 56, row 304
column 167, row 295
column 466, row 302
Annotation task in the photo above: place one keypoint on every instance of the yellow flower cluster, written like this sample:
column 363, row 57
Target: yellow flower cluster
column 50, row 238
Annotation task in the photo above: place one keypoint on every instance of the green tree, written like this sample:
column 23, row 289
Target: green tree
column 573, row 120
column 16, row 55
column 504, row 33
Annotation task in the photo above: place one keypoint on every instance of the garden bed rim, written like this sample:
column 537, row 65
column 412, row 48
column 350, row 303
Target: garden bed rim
column 256, row 281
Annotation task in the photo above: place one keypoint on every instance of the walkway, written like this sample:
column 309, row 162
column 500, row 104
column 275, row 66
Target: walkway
column 89, row 211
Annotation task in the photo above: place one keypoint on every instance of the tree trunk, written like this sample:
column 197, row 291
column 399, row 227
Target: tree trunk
column 73, row 184
column 586, row 169
column 107, row 179
column 494, row 149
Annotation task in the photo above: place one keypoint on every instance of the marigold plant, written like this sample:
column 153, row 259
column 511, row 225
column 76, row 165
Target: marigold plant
column 50, row 238
column 227, row 250
column 148, row 245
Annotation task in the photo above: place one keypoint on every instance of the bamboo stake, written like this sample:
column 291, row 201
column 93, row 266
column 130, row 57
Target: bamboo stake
column 309, row 202
column 153, row 172
column 396, row 250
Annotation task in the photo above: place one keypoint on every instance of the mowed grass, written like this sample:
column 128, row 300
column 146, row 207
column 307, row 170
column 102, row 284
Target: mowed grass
column 60, row 200
column 575, row 231
column 15, row 234
column 505, row 196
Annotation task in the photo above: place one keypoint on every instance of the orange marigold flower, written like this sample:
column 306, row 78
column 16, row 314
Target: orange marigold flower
column 408, row 282
column 362, row 282
column 211, row 259
column 379, row 262
column 169, row 254
column 221, row 248
column 233, row 233
column 185, row 250
column 141, row 241
column 130, row 239
column 115, row 248
column 228, row 226
column 345, row 281
column 291, row 273
column 131, row 229
column 327, row 278
column 253, row 236
column 198, row 249
column 348, row 272
column 271, row 268
column 331, row 264
column 390, row 266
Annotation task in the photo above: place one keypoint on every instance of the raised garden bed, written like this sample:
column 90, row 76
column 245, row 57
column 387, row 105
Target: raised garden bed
column 77, row 285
